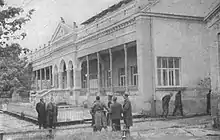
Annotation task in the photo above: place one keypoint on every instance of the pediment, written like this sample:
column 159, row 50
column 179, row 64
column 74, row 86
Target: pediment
column 61, row 30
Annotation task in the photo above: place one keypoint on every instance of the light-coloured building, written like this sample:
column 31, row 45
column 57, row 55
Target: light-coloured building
column 147, row 48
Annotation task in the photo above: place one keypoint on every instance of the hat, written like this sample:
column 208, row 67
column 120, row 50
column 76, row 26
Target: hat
column 110, row 94
column 126, row 94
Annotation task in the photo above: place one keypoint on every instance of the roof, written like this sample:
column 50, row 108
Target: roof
column 104, row 12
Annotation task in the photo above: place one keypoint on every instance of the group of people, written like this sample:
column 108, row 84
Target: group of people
column 112, row 114
column 178, row 106
column 47, row 114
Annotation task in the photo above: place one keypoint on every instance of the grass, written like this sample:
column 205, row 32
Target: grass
column 86, row 136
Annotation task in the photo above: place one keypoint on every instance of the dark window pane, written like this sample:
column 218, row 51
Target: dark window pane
column 177, row 77
column 164, row 62
column 159, row 62
column 177, row 62
column 171, row 78
column 165, row 78
column 159, row 77
column 170, row 62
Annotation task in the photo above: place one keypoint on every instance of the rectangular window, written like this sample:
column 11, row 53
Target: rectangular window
column 134, row 75
column 121, row 77
column 168, row 71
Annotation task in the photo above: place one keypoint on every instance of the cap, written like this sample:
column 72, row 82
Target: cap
column 114, row 98
column 126, row 94
column 110, row 94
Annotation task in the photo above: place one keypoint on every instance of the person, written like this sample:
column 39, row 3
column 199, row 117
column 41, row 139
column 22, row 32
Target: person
column 93, row 118
column 97, row 110
column 208, row 109
column 178, row 103
column 41, row 110
column 109, row 104
column 127, row 112
column 116, row 114
column 52, row 113
column 165, row 104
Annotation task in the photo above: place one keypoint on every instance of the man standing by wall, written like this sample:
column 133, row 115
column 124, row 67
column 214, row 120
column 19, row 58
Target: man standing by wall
column 165, row 104
column 208, row 110
column 41, row 110
column 178, row 103
column 127, row 112
column 116, row 112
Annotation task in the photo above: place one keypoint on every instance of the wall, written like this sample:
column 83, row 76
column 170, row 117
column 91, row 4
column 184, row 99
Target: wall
column 185, row 39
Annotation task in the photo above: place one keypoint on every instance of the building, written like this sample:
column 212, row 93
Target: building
column 147, row 48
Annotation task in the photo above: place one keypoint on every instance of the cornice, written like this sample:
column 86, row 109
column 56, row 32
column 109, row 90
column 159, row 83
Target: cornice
column 169, row 16
column 109, row 30
column 212, row 13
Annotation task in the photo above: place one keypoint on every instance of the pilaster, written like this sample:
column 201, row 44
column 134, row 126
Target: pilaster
column 145, row 62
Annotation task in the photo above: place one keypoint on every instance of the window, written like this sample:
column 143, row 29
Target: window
column 121, row 77
column 168, row 71
column 134, row 75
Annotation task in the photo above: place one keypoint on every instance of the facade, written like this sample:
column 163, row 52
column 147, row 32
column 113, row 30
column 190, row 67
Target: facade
column 147, row 48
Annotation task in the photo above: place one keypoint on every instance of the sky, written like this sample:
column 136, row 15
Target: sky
column 47, row 16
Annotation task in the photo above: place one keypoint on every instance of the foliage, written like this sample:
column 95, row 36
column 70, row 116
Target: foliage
column 15, row 71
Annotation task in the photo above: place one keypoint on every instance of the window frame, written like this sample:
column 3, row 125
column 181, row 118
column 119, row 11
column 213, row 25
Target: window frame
column 121, row 77
column 133, row 75
column 173, row 69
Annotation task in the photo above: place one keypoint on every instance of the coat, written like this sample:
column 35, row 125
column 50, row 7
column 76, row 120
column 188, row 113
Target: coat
column 52, row 113
column 98, row 111
column 127, row 113
column 41, row 110
column 178, row 99
column 166, row 100
column 116, row 111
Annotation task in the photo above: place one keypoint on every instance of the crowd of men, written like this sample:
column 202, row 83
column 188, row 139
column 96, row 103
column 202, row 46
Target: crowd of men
column 112, row 114
column 47, row 114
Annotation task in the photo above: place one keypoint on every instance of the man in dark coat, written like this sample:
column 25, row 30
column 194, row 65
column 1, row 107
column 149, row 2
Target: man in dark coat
column 178, row 103
column 93, row 118
column 52, row 113
column 127, row 112
column 98, row 111
column 116, row 112
column 208, row 109
column 165, row 104
column 41, row 110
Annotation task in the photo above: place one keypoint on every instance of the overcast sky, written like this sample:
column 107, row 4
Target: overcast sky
column 48, row 13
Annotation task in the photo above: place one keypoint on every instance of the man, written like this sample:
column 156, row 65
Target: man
column 41, row 110
column 99, row 116
column 52, row 113
column 109, row 104
column 127, row 112
column 93, row 118
column 165, row 104
column 208, row 109
column 178, row 103
column 116, row 112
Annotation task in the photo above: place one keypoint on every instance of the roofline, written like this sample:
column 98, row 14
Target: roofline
column 104, row 12
column 212, row 12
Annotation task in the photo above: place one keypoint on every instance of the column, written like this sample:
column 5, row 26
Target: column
column 45, row 78
column 68, row 78
column 77, row 78
column 145, row 63
column 60, row 79
column 40, row 79
column 126, row 68
column 110, row 63
column 50, row 76
column 87, row 61
column 36, row 79
column 98, row 75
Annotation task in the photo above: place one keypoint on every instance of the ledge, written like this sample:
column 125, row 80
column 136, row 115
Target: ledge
column 170, row 88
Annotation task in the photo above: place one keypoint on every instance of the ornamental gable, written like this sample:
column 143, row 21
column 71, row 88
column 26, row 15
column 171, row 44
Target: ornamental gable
column 61, row 30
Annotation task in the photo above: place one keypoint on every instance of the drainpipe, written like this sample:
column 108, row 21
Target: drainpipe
column 153, row 105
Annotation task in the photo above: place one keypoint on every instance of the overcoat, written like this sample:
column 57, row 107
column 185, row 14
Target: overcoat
column 41, row 110
column 127, row 112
